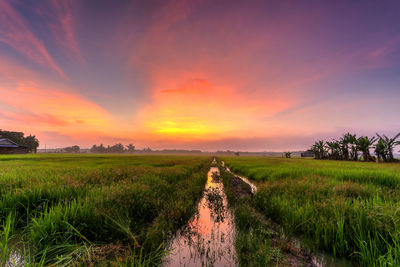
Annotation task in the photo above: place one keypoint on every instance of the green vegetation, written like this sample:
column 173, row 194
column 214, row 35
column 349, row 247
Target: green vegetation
column 350, row 209
column 118, row 210
column 349, row 146
column 30, row 141
column 95, row 209
column 254, row 234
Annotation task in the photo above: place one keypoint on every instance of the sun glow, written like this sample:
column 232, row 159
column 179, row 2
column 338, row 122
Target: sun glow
column 182, row 126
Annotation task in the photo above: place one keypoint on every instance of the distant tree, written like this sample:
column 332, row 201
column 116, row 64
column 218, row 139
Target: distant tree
column 288, row 155
column 31, row 142
column 130, row 148
column 344, row 146
column 380, row 150
column 237, row 154
column 147, row 149
column 117, row 148
column 364, row 144
column 98, row 149
column 102, row 149
column 94, row 149
column 349, row 146
column 17, row 137
column 72, row 149
column 352, row 138
column 334, row 149
column 319, row 150
column 389, row 143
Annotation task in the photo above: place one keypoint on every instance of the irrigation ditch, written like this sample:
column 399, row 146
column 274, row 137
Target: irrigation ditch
column 227, row 231
column 209, row 237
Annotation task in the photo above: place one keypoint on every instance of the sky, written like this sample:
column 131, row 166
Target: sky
column 199, row 74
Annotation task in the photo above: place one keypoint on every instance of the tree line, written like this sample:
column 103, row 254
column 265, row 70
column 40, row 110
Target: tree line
column 30, row 141
column 117, row 148
column 349, row 147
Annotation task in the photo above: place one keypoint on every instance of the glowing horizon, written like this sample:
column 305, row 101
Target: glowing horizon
column 205, row 75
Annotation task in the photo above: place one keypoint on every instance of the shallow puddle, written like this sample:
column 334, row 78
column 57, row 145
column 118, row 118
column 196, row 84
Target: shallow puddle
column 15, row 254
column 244, row 179
column 321, row 258
column 209, row 237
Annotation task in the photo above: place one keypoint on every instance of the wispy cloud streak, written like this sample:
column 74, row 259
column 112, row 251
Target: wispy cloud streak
column 15, row 33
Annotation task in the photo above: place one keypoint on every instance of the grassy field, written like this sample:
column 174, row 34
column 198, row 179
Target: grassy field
column 350, row 209
column 119, row 210
column 95, row 209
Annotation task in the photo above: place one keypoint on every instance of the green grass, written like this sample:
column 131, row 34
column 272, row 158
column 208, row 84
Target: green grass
column 254, row 237
column 82, row 209
column 350, row 209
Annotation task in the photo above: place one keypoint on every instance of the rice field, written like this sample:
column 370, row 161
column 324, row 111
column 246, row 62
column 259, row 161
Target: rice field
column 348, row 209
column 94, row 210
column 131, row 210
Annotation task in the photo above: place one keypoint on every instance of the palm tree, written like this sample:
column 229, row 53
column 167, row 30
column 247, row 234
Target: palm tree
column 390, row 143
column 364, row 144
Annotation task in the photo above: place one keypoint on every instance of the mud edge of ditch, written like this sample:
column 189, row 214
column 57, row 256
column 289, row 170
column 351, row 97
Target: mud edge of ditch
column 240, row 190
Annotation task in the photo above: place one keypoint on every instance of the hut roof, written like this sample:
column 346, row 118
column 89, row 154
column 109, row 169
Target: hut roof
column 4, row 142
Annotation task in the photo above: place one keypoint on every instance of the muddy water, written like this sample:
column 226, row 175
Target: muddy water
column 244, row 179
column 321, row 258
column 15, row 254
column 209, row 237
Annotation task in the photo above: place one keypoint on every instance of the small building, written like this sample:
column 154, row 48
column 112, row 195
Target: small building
column 9, row 147
column 307, row 154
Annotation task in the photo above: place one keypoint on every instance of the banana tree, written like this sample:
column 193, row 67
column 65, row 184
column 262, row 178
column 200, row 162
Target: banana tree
column 319, row 150
column 380, row 150
column 344, row 145
column 353, row 142
column 364, row 143
column 390, row 143
column 334, row 150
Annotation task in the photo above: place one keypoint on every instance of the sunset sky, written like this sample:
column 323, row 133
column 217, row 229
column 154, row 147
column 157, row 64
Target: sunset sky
column 210, row 75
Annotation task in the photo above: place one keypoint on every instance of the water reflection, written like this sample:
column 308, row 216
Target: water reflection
column 15, row 254
column 209, row 237
column 320, row 258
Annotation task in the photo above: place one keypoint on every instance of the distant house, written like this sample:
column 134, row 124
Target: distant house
column 307, row 154
column 9, row 147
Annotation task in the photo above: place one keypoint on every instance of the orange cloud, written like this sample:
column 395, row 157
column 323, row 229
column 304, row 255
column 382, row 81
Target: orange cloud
column 54, row 107
column 197, row 109
column 34, row 105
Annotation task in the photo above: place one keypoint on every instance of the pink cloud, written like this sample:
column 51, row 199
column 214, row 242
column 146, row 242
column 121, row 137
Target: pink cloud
column 387, row 48
column 35, row 119
column 15, row 33
column 62, row 25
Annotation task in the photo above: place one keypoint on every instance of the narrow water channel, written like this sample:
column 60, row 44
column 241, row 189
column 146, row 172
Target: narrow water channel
column 244, row 179
column 209, row 237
